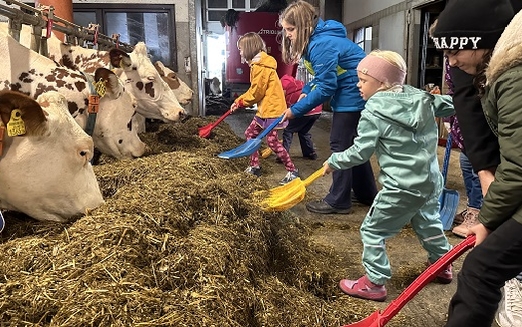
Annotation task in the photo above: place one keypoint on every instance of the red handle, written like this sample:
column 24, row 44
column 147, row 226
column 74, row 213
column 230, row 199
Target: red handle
column 222, row 117
column 423, row 279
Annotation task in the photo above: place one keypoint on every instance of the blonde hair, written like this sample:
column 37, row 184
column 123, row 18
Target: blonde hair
column 303, row 17
column 251, row 44
column 393, row 58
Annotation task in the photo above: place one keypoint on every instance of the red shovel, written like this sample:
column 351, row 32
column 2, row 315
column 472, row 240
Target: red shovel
column 205, row 130
column 381, row 318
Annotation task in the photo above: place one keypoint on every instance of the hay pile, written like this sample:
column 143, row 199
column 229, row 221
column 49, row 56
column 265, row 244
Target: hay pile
column 179, row 242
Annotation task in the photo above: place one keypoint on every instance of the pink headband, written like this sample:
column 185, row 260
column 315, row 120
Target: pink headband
column 381, row 70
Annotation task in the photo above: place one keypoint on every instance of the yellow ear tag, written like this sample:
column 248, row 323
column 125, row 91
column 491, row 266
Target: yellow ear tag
column 100, row 88
column 16, row 126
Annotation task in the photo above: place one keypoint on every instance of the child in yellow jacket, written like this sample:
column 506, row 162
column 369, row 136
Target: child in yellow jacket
column 265, row 91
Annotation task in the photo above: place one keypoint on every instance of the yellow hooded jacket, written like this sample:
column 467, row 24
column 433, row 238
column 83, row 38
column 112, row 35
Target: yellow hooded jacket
column 265, row 88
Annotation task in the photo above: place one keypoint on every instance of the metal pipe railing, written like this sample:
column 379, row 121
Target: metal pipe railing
column 43, row 17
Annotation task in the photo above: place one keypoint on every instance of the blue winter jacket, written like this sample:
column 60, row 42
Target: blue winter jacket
column 332, row 59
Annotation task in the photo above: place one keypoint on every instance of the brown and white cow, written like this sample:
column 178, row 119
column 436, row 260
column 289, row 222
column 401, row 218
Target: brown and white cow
column 45, row 172
column 33, row 74
column 155, row 98
column 181, row 90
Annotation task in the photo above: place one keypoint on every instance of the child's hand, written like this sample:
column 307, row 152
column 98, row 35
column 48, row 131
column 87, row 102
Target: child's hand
column 327, row 169
column 303, row 95
column 233, row 107
column 287, row 115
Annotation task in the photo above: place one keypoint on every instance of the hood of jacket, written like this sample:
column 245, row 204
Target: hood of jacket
column 508, row 50
column 409, row 109
column 263, row 59
column 329, row 28
column 292, row 88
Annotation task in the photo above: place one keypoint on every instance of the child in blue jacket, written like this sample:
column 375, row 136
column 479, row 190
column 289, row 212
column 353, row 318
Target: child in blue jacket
column 331, row 58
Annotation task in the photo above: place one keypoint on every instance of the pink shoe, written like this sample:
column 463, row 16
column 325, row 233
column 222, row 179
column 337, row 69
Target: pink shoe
column 364, row 289
column 445, row 276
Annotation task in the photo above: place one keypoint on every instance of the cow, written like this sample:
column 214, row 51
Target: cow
column 45, row 169
column 155, row 98
column 114, row 131
column 181, row 90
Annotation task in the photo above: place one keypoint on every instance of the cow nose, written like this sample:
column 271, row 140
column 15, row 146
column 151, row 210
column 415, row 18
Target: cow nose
column 86, row 154
column 183, row 116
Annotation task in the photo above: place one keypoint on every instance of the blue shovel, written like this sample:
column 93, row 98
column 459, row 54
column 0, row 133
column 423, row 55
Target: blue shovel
column 250, row 146
column 449, row 199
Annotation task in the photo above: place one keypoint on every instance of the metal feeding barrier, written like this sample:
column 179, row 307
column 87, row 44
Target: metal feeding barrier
column 43, row 18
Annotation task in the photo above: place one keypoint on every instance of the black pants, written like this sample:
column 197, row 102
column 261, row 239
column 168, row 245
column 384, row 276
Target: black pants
column 301, row 126
column 485, row 269
column 360, row 178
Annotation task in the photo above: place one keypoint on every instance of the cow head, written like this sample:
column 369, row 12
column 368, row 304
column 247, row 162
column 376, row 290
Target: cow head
column 155, row 99
column 46, row 172
column 115, row 132
column 182, row 91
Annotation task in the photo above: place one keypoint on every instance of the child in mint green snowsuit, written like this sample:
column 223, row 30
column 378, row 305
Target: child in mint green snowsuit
column 398, row 125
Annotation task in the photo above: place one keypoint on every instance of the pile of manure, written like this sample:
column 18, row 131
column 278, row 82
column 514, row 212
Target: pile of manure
column 180, row 241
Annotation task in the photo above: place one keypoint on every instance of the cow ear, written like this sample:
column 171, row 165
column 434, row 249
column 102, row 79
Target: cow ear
column 32, row 114
column 171, row 79
column 160, row 68
column 112, row 83
column 120, row 59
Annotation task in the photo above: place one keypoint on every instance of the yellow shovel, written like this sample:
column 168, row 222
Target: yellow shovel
column 286, row 196
column 266, row 152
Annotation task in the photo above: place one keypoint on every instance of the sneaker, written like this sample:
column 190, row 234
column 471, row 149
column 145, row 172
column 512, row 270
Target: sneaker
column 320, row 206
column 363, row 289
column 459, row 218
column 445, row 276
column 290, row 176
column 256, row 171
column 312, row 156
column 509, row 312
column 470, row 220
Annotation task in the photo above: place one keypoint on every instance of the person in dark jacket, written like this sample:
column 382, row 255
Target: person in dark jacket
column 470, row 32
column 482, row 150
column 332, row 59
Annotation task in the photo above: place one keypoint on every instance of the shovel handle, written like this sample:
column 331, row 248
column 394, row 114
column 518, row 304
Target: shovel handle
column 423, row 279
column 310, row 179
column 270, row 127
column 220, row 119
column 445, row 163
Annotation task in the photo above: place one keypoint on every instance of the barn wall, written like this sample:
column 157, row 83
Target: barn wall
column 185, row 39
column 396, row 26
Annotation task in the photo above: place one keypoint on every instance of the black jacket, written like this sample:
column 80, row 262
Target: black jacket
column 481, row 144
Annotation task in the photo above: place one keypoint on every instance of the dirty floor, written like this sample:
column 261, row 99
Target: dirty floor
column 341, row 232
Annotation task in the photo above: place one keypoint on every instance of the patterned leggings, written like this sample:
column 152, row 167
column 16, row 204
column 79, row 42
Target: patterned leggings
column 253, row 130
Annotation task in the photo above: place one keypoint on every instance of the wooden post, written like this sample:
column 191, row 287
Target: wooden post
column 62, row 9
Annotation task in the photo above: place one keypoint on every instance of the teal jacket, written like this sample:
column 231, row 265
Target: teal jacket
column 400, row 128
